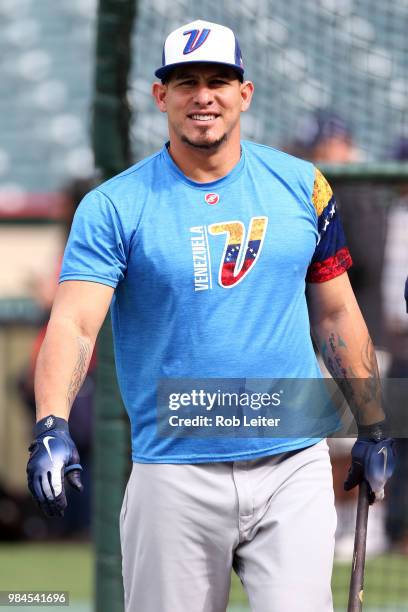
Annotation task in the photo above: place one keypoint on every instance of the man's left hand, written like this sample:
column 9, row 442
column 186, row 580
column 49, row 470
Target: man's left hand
column 373, row 460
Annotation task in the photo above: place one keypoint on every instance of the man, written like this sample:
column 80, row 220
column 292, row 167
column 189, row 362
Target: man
column 203, row 250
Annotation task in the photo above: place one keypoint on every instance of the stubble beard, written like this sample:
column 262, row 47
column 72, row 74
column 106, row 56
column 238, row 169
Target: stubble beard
column 206, row 146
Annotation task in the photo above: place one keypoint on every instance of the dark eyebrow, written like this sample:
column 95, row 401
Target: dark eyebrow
column 221, row 74
column 180, row 77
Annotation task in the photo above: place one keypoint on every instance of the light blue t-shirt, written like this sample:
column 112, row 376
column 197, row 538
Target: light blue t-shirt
column 209, row 283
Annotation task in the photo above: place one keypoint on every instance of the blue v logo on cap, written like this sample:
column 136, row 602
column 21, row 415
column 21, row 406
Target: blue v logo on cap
column 201, row 42
column 196, row 39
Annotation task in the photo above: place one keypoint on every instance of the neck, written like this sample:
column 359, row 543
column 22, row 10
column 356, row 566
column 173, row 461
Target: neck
column 203, row 165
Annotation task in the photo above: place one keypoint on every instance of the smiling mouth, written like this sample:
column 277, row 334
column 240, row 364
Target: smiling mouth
column 203, row 118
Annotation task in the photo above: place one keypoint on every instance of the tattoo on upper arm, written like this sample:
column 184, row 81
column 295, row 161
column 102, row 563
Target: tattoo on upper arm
column 80, row 370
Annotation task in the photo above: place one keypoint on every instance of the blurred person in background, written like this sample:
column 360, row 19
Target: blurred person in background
column 396, row 322
column 326, row 137
column 77, row 519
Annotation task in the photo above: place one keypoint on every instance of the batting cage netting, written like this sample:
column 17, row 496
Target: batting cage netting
column 331, row 85
column 349, row 56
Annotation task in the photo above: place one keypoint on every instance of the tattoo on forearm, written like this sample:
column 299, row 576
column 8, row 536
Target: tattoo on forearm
column 372, row 382
column 359, row 390
column 80, row 370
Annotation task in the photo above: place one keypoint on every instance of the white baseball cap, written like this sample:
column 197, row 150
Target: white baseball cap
column 201, row 41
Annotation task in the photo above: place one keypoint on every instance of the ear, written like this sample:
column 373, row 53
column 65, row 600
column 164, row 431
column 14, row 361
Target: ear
column 159, row 92
column 247, row 90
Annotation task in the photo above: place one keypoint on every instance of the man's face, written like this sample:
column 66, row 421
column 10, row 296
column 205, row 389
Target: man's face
column 203, row 103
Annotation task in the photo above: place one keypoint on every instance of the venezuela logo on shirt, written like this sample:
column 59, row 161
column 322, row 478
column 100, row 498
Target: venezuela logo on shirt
column 239, row 255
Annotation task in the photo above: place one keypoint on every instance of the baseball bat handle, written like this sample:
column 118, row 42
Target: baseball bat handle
column 355, row 602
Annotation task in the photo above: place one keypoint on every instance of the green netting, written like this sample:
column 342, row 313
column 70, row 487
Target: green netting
column 345, row 55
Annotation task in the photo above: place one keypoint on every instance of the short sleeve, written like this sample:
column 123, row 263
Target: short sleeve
column 95, row 249
column 331, row 257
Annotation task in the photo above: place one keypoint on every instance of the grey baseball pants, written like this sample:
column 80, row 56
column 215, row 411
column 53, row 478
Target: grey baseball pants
column 183, row 528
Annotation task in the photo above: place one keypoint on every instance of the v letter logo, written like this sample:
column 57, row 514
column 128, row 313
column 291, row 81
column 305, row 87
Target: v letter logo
column 196, row 39
column 234, row 265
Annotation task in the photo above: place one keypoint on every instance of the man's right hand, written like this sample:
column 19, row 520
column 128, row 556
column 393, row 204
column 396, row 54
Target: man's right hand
column 53, row 456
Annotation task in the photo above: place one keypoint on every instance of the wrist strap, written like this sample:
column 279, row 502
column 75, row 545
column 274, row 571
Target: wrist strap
column 50, row 423
column 374, row 432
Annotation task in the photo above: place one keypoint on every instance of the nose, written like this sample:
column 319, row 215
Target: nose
column 203, row 96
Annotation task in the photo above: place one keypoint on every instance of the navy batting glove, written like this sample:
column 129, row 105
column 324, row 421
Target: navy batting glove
column 372, row 459
column 53, row 456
